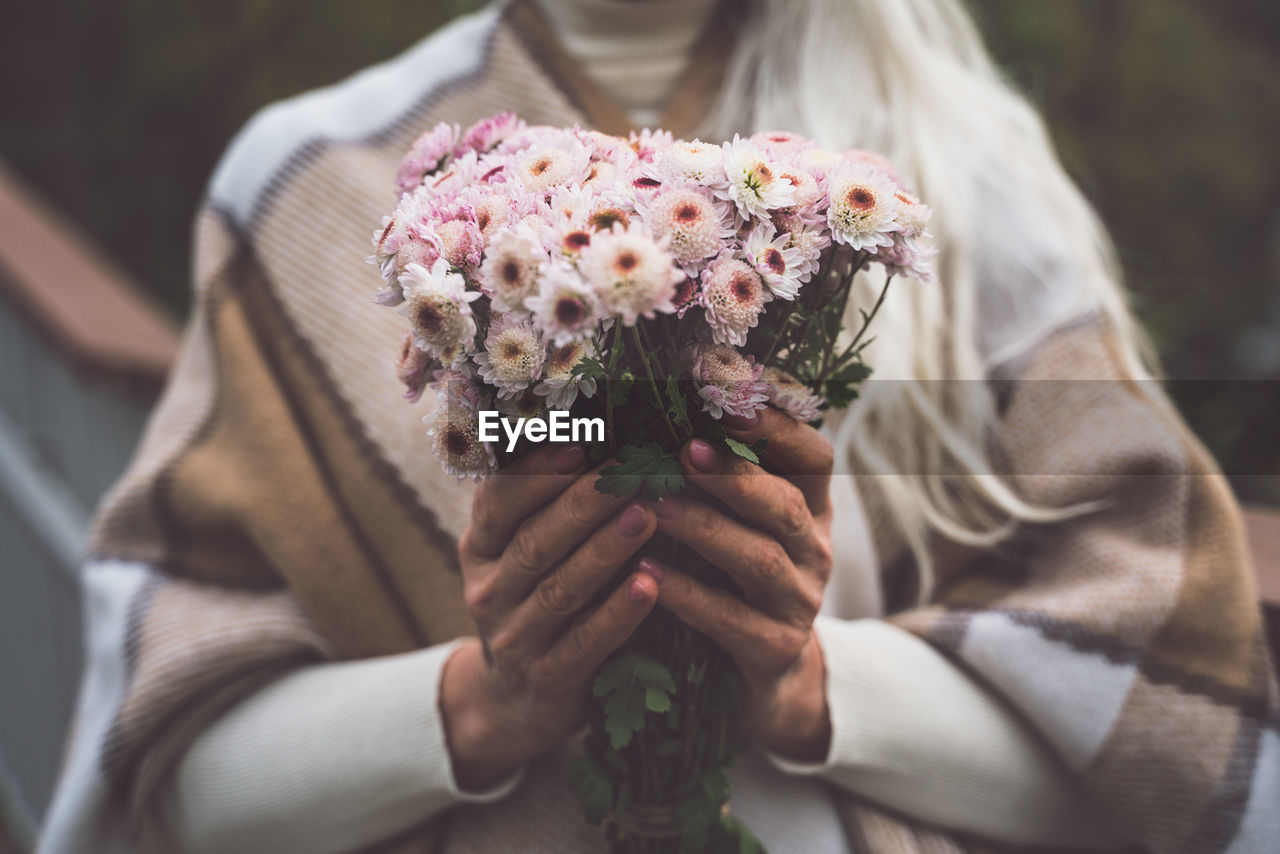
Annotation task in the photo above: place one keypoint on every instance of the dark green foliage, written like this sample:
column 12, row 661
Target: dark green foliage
column 646, row 469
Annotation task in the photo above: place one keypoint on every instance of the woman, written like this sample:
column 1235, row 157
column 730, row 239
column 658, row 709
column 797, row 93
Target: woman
column 1030, row 623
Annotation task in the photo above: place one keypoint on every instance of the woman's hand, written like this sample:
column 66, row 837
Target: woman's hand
column 541, row 543
column 777, row 547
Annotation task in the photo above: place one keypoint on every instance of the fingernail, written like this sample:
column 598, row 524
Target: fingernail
column 740, row 422
column 649, row 566
column 703, row 455
column 667, row 508
column 631, row 521
column 568, row 459
column 637, row 592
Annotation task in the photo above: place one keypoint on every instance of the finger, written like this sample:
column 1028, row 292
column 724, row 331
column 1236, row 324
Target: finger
column 596, row 634
column 568, row 588
column 756, row 561
column 505, row 500
column 794, row 449
column 760, row 644
column 771, row 503
column 552, row 533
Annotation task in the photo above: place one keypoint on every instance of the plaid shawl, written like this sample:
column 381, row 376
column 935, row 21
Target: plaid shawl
column 281, row 508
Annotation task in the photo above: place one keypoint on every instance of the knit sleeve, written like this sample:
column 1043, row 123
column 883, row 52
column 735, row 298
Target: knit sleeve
column 330, row 758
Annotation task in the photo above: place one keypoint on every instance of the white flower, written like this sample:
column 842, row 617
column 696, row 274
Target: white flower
column 863, row 206
column 544, row 167
column 782, row 267
column 729, row 382
column 458, row 387
column 754, row 178
column 509, row 273
column 913, row 217
column 455, row 438
column 564, row 308
column 438, row 305
column 525, row 404
column 631, row 274
column 560, row 386
column 694, row 161
column 792, row 396
column 512, row 356
column 809, row 239
column 694, row 226
column 733, row 295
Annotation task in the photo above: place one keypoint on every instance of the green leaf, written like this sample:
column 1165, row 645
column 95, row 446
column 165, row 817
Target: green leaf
column 750, row 453
column 646, row 469
column 676, row 408
column 656, row 700
column 716, row 784
column 589, row 367
column 624, row 713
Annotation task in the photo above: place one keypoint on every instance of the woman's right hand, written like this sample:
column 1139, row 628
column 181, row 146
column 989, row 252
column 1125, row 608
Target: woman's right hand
column 541, row 543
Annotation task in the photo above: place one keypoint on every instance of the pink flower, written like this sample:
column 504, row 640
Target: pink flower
column 565, row 307
column 412, row 367
column 782, row 267
column 438, row 305
column 632, row 275
column 487, row 133
column 733, row 295
column 426, row 155
column 691, row 221
column 792, row 396
column 509, row 273
column 729, row 382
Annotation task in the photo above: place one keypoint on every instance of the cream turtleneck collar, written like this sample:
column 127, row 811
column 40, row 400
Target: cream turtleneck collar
column 635, row 50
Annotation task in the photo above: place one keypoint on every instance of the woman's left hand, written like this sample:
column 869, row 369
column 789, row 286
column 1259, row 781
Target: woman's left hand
column 777, row 547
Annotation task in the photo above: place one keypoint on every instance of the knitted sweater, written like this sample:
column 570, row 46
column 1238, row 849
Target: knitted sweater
column 281, row 532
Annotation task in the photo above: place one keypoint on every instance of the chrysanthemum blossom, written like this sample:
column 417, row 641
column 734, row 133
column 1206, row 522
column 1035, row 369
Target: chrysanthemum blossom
column 512, row 356
column 458, row 387
column 542, row 168
column 754, row 181
column 863, row 207
column 631, row 274
column 733, row 295
column 647, row 143
column 686, row 215
column 907, row 258
column 729, row 382
column 524, row 404
column 509, row 273
column 792, row 396
column 913, row 217
column 781, row 141
column 875, row 160
column 809, row 239
column 487, row 133
column 413, row 368
column 438, row 305
column 698, row 162
column 559, row 385
column 455, row 439
column 565, row 307
column 782, row 267
column 426, row 155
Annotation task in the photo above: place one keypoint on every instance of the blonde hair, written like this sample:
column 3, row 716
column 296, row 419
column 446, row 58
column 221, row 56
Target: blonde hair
column 1020, row 249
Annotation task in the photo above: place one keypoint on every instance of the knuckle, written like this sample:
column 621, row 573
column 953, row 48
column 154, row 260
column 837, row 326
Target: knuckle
column 584, row 638
column 824, row 455
column 479, row 597
column 526, row 554
column 772, row 562
column 823, row 558
column 707, row 523
column 556, row 596
column 578, row 507
column 795, row 512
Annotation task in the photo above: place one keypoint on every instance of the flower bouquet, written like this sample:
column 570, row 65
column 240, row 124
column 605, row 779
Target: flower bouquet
column 639, row 289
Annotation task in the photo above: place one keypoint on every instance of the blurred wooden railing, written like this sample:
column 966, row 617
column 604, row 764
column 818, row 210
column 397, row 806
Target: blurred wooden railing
column 82, row 358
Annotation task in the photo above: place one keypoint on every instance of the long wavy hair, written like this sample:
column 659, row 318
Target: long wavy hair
column 1021, row 251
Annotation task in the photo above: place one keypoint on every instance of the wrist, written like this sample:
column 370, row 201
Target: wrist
column 799, row 728
column 481, row 753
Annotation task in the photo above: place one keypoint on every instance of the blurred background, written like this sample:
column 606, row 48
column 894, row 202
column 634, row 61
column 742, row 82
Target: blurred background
column 113, row 114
